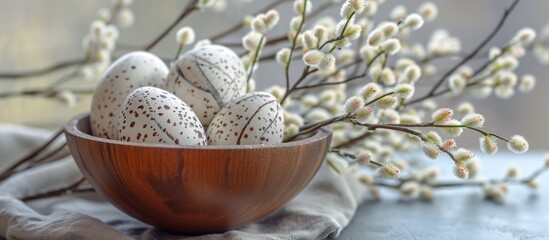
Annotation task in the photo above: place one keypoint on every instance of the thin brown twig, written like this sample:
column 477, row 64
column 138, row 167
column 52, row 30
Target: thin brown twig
column 35, row 153
column 43, row 71
column 500, row 24
column 189, row 8
column 353, row 141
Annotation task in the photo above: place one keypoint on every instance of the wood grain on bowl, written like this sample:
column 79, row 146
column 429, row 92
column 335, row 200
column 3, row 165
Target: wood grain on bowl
column 195, row 189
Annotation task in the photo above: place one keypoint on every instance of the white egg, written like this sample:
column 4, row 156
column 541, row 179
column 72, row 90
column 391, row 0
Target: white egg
column 207, row 78
column 255, row 118
column 129, row 72
column 153, row 115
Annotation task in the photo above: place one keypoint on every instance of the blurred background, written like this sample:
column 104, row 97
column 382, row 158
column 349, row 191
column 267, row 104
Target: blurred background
column 35, row 34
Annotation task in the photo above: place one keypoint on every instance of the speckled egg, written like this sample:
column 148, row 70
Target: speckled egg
column 153, row 115
column 255, row 118
column 129, row 72
column 207, row 78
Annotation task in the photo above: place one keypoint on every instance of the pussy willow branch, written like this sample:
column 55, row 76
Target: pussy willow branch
column 240, row 25
column 349, row 79
column 43, row 71
column 353, row 156
column 45, row 92
column 343, row 117
column 294, row 41
column 373, row 127
column 189, row 8
column 256, row 56
column 432, row 125
column 38, row 150
column 354, row 140
column 31, row 156
column 283, row 37
column 500, row 24
column 471, row 183
column 306, row 71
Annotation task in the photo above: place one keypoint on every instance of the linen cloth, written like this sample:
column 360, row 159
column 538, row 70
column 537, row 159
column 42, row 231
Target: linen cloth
column 321, row 211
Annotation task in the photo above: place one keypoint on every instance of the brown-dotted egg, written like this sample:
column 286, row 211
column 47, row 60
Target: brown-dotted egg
column 129, row 72
column 255, row 118
column 153, row 115
column 207, row 78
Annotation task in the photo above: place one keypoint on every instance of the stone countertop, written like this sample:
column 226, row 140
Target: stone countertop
column 461, row 213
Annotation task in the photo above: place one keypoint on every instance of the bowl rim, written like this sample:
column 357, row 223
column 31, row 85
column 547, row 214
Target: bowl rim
column 71, row 127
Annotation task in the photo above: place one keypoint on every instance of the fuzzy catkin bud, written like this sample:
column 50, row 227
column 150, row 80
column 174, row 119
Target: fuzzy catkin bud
column 414, row 21
column 387, row 77
column 457, row 84
column 370, row 91
column 512, row 172
column 125, row 18
column 448, row 144
column 473, row 120
column 434, row 138
column 375, row 38
column 428, row 11
column 259, row 26
column 518, row 144
column 398, row 13
column 453, row 131
column 488, row 144
column 409, row 188
column 271, row 18
column 389, row 29
column 465, row 108
column 356, row 5
column 391, row 46
column 363, row 114
column 411, row 74
column 386, row 102
column 295, row 23
column 321, row 33
column 352, row 31
column 346, row 10
column 463, row 155
column 185, row 36
column 525, row 35
column 299, row 6
column 461, row 171
column 310, row 41
column 327, row 62
column 389, row 171
column 533, row 184
column 367, row 53
column 431, row 150
column 283, row 56
column 364, row 157
column 442, row 115
column 389, row 116
column 404, row 90
column 370, row 8
column 313, row 57
column 353, row 104
column 527, row 83
column 251, row 41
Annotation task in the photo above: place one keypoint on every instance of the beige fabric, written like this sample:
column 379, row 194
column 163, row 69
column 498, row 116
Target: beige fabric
column 321, row 210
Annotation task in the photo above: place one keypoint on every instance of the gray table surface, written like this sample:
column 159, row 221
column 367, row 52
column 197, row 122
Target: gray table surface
column 461, row 213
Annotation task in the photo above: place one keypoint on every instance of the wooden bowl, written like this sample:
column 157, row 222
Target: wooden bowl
column 195, row 189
